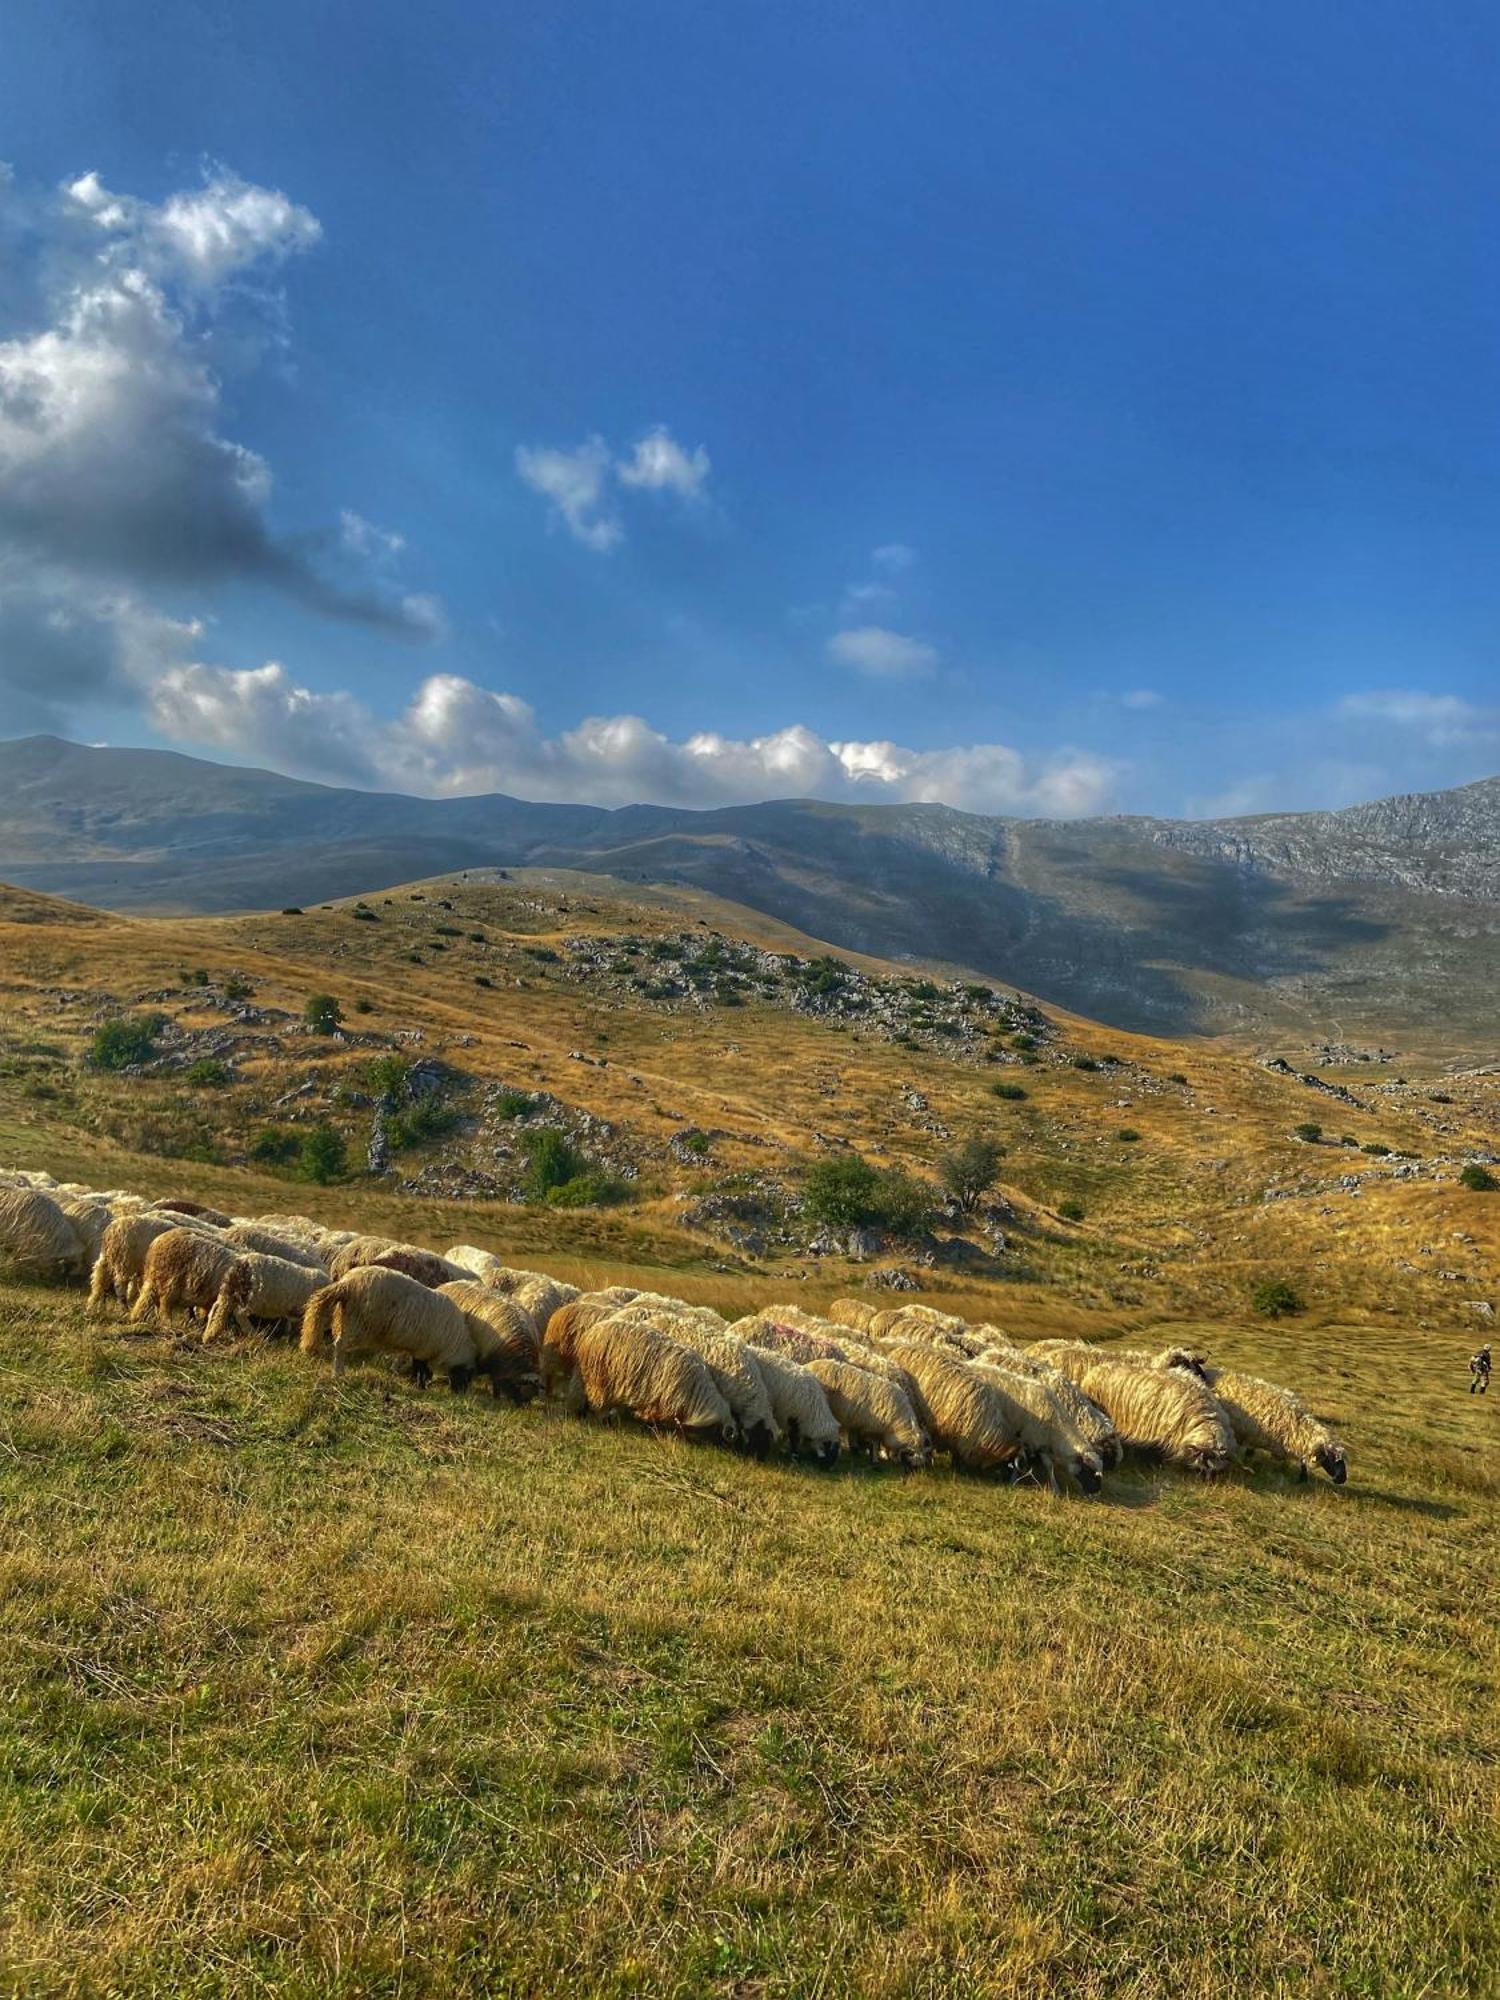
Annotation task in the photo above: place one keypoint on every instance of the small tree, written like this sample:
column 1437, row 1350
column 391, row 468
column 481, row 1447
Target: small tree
column 1274, row 1298
column 324, row 1157
column 1479, row 1179
column 551, row 1162
column 841, row 1193
column 970, row 1171
column 1307, row 1132
column 121, row 1043
column 323, row 1014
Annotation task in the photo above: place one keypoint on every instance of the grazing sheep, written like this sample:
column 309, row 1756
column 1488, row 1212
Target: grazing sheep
column 560, row 1339
column 185, row 1268
column 473, row 1262
column 649, row 1376
column 800, row 1406
column 36, row 1236
column 428, row 1269
column 1048, row 1437
column 261, row 1287
column 370, row 1310
column 121, row 1261
column 1266, row 1418
column 729, row 1361
column 963, row 1412
column 360, row 1250
column 179, row 1205
column 1071, row 1355
column 538, row 1295
column 1161, row 1410
column 270, row 1243
column 1092, row 1423
column 90, row 1216
column 505, row 1342
column 775, row 1330
column 874, row 1413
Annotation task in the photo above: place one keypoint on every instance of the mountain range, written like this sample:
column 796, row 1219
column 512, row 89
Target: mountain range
column 1381, row 919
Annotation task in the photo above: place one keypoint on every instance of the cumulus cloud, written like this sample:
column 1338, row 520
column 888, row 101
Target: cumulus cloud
column 885, row 655
column 893, row 557
column 660, row 464
column 116, row 477
column 456, row 738
column 582, row 483
column 1141, row 698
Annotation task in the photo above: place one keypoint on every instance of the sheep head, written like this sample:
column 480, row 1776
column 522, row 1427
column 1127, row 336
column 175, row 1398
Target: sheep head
column 1331, row 1458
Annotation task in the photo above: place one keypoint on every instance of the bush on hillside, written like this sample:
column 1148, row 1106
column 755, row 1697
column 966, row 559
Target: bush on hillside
column 1274, row 1298
column 1308, row 1132
column 322, row 1156
column 1478, row 1179
column 968, row 1171
column 1071, row 1210
column 122, row 1043
column 323, row 1014
column 848, row 1193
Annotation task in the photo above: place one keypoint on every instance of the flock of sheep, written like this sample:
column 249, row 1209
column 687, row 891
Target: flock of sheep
column 898, row 1383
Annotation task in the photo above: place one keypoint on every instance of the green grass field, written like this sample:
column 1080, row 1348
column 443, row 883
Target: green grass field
column 349, row 1691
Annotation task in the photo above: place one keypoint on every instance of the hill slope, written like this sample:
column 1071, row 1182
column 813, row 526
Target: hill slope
column 1377, row 920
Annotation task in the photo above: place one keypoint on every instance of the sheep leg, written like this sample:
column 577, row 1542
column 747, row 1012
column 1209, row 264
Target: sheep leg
column 338, row 1360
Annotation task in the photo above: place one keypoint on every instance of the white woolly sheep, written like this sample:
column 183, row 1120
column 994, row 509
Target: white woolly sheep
column 36, row 1236
column 1277, row 1422
column 370, row 1310
column 260, row 1287
column 473, row 1261
column 1085, row 1415
column 648, row 1375
column 964, row 1413
column 1048, row 1437
column 181, row 1205
column 1166, row 1411
column 875, row 1414
column 558, row 1361
column 184, row 1270
column 505, row 1341
column 271, row 1243
column 537, row 1294
column 800, row 1405
column 733, row 1366
column 121, row 1263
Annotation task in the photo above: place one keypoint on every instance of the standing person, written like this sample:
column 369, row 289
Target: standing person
column 1479, row 1371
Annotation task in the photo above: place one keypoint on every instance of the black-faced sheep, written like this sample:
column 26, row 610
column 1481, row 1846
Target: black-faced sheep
column 964, row 1414
column 875, row 1414
column 370, row 1310
column 1092, row 1423
column 505, row 1341
column 800, row 1405
column 1272, row 1420
column 733, row 1366
column 273, row 1290
column 184, row 1270
column 36, row 1237
column 1165, row 1411
column 1049, row 1440
column 649, row 1376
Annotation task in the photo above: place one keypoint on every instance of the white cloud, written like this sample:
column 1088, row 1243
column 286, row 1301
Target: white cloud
column 574, row 482
column 893, row 557
column 871, row 649
column 1442, row 721
column 1141, row 698
column 114, row 470
column 362, row 538
column 457, row 738
column 659, row 464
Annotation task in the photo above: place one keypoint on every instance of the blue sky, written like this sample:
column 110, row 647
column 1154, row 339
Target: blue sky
column 1045, row 408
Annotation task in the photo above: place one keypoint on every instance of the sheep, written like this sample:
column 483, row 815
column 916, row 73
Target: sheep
column 797, row 1335
column 361, row 1250
column 1047, row 1435
column 1070, row 1355
column 186, row 1268
column 560, row 1339
column 370, row 1310
column 537, row 1295
column 873, row 1413
column 800, row 1406
column 180, row 1205
column 650, row 1376
column 1162, row 1410
column 121, row 1263
column 258, row 1286
column 427, row 1268
column 1266, row 1418
column 271, row 1243
column 90, row 1216
column 1093, row 1424
column 472, row 1261
column 505, row 1341
column 36, row 1236
column 736, row 1374
column 963, row 1412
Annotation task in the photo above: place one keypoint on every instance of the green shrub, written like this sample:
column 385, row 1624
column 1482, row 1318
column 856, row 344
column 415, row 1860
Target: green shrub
column 421, row 1123
column 1274, row 1298
column 364, row 1006
column 591, row 1189
column 208, row 1074
column 481, row 980
column 1127, row 1135
column 323, row 1014
column 388, row 1076
column 1013, row 1093
column 237, row 989
column 1308, row 1132
column 293, row 910
column 848, row 1193
column 1176, row 1076
column 1085, row 1062
column 322, row 1156
column 1023, row 1041
column 1374, row 1146
column 272, row 1148
column 978, row 992
column 551, row 1162
column 543, row 953
column 514, row 1104
column 1071, row 1210
column 121, row 1043
column 1479, row 1180
column 968, row 1171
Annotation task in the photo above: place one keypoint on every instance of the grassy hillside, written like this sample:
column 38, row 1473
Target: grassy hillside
column 350, row 1692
